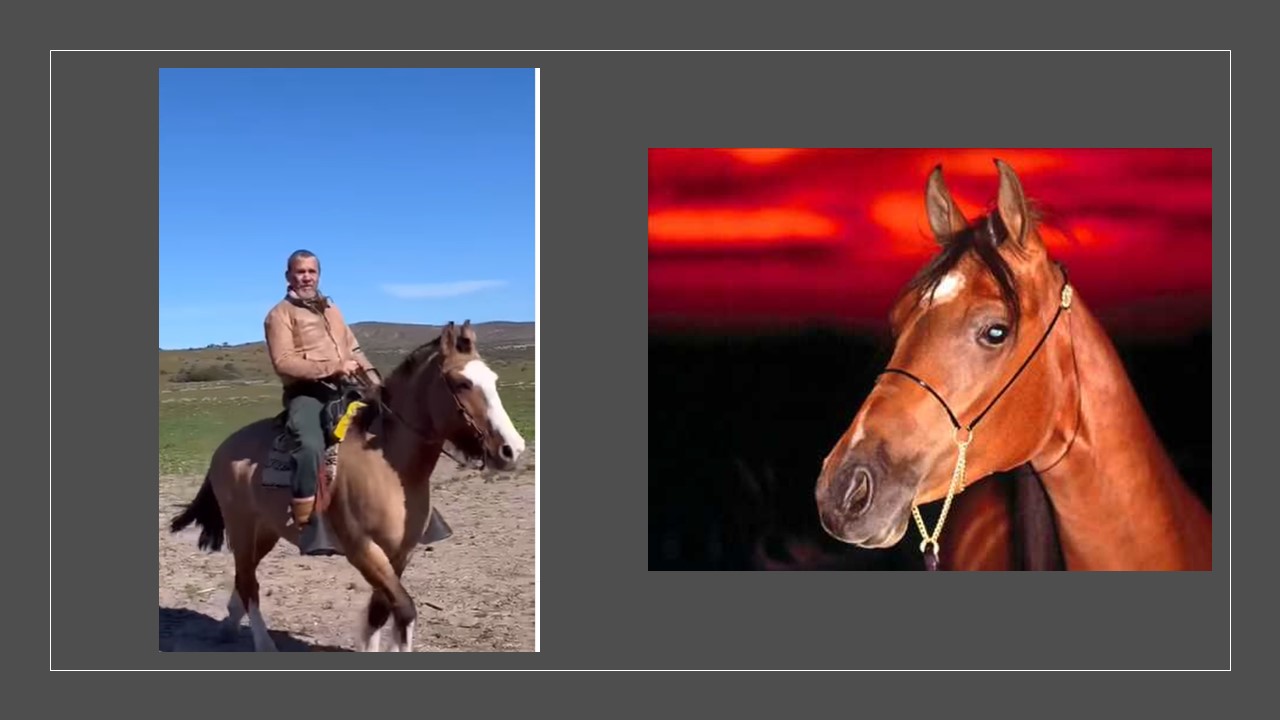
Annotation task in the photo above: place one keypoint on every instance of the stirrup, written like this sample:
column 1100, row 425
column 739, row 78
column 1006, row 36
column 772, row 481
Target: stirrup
column 316, row 540
column 437, row 529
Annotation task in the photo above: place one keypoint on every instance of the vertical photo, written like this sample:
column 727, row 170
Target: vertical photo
column 347, row 343
column 930, row 359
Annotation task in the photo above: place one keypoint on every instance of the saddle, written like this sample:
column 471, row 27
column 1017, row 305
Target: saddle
column 339, row 409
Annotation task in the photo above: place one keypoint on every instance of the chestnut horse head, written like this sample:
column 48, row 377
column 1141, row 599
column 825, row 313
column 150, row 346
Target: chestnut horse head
column 979, row 352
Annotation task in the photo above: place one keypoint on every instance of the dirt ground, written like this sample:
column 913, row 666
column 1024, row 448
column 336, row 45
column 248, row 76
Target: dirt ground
column 482, row 576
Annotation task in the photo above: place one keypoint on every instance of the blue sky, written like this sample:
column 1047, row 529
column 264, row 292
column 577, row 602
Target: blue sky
column 415, row 187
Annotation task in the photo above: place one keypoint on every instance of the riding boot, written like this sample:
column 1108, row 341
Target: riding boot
column 308, row 455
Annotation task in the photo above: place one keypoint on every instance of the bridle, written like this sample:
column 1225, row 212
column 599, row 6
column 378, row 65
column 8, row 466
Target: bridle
column 957, row 476
column 476, row 433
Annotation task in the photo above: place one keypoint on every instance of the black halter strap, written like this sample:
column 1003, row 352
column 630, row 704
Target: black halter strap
column 1062, row 305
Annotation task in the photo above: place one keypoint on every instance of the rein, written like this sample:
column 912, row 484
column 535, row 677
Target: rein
column 929, row 545
column 428, row 437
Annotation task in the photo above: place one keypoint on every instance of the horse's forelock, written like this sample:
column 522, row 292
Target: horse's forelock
column 983, row 239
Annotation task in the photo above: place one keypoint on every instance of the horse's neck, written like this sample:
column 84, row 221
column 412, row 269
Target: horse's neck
column 412, row 446
column 1119, row 500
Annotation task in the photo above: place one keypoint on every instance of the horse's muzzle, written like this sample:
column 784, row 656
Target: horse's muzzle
column 860, row 500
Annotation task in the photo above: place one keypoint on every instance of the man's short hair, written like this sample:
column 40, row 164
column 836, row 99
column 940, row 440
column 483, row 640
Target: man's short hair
column 300, row 255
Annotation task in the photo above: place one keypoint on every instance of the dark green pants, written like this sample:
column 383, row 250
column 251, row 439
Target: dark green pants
column 308, row 450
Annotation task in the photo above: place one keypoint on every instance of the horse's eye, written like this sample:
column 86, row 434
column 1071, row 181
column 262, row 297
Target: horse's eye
column 994, row 334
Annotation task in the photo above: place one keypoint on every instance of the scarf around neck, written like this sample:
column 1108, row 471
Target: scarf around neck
column 317, row 304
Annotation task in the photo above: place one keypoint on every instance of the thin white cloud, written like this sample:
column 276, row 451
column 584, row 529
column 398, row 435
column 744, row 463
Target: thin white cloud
column 440, row 290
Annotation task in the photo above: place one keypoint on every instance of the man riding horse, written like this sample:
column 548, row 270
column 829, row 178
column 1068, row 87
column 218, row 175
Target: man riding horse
column 317, row 357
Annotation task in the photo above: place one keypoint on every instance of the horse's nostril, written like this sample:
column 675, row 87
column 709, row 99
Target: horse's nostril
column 857, row 496
column 507, row 452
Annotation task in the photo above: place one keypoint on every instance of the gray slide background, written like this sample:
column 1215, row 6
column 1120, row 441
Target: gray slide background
column 599, row 607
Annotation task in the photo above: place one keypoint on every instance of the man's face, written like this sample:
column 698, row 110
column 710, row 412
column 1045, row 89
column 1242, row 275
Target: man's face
column 304, row 277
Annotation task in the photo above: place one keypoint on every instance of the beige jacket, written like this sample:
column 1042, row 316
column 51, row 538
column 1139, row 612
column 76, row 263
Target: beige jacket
column 305, row 344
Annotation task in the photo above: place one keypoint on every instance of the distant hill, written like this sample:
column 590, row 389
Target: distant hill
column 385, row 344
column 400, row 336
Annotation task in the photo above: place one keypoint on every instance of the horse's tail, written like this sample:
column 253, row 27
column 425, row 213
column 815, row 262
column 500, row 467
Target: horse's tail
column 205, row 512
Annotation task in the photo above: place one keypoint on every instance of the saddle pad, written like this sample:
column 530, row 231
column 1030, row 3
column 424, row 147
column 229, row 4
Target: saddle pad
column 278, row 470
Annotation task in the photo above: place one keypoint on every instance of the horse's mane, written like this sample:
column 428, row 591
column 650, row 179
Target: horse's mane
column 424, row 354
column 420, row 356
column 983, row 239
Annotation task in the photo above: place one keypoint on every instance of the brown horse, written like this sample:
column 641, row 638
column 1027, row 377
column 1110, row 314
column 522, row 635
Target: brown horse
column 379, row 500
column 998, row 364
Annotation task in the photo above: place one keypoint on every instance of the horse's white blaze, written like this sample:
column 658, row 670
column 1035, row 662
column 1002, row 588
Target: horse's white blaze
column 858, row 432
column 408, row 636
column 948, row 287
column 487, row 380
column 261, row 638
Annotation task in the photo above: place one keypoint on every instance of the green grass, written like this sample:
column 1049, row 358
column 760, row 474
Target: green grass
column 193, row 423
column 516, row 384
column 195, row 419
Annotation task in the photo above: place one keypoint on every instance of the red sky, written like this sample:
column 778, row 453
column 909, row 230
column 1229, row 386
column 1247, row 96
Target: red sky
column 780, row 237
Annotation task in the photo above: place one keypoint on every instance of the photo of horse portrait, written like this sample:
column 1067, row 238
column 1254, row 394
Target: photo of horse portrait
column 930, row 359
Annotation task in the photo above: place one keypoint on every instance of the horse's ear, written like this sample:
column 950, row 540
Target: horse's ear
column 466, row 338
column 1011, row 203
column 944, row 217
column 448, row 338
